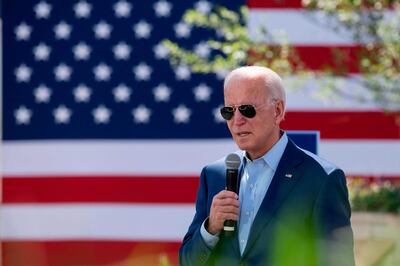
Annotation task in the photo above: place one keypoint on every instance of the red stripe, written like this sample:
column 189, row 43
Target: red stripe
column 274, row 4
column 100, row 189
column 121, row 253
column 339, row 60
column 336, row 59
column 298, row 4
column 346, row 125
column 376, row 179
column 107, row 189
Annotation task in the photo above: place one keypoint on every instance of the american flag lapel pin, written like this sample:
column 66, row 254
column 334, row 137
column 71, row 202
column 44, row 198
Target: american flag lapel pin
column 288, row 175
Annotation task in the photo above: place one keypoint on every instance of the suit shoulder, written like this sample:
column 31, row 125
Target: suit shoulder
column 327, row 166
column 219, row 164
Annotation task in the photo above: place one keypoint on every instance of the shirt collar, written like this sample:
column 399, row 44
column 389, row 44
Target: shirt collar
column 274, row 155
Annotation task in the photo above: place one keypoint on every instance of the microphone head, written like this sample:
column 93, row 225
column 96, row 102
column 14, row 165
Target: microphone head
column 232, row 161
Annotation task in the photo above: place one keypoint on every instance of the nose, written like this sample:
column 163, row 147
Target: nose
column 238, row 118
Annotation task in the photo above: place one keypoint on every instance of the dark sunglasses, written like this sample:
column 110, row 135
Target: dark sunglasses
column 247, row 110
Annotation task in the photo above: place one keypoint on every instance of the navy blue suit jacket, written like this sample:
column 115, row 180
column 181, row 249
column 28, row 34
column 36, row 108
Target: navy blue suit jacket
column 303, row 219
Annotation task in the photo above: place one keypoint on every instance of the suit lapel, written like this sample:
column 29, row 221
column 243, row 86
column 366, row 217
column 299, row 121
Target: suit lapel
column 282, row 183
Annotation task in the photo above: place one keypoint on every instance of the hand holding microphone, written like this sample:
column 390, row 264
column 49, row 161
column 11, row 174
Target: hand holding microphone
column 232, row 163
column 225, row 206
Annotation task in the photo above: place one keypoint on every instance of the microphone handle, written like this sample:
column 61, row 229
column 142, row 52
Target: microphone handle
column 231, row 185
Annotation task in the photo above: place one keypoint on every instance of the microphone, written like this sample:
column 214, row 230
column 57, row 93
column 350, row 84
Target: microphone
column 232, row 163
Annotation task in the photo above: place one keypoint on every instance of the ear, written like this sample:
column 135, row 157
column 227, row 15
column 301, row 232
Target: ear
column 279, row 111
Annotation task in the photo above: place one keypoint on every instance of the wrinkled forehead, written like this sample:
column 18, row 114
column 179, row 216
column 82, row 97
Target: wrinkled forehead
column 246, row 85
column 245, row 91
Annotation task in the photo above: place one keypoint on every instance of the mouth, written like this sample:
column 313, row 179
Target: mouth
column 242, row 134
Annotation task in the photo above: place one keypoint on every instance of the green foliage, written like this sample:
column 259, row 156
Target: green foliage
column 233, row 48
column 369, row 22
column 379, row 62
column 376, row 197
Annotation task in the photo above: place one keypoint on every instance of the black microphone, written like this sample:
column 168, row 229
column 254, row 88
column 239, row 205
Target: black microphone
column 232, row 163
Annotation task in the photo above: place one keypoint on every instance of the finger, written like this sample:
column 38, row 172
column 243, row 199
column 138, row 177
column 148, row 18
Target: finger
column 227, row 202
column 226, row 194
column 229, row 216
column 220, row 210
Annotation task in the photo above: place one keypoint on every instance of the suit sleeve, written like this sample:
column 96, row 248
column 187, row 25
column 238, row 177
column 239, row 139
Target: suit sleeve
column 332, row 220
column 194, row 250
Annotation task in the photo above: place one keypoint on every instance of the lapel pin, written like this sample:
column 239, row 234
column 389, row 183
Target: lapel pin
column 289, row 175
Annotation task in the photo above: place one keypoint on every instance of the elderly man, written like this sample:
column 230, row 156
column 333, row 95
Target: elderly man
column 292, row 207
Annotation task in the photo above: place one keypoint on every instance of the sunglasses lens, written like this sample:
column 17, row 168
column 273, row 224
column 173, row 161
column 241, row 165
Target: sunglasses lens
column 227, row 112
column 247, row 110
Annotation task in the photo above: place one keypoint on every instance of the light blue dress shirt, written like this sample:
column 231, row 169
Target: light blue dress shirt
column 254, row 183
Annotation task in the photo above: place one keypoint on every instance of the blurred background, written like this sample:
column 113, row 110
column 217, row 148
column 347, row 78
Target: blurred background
column 110, row 109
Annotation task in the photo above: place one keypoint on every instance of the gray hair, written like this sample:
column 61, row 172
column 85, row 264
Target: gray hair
column 273, row 81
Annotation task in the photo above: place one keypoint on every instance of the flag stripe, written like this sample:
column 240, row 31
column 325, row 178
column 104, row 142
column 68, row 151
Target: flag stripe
column 114, row 189
column 340, row 59
column 144, row 222
column 84, row 252
column 354, row 156
column 300, row 27
column 100, row 189
column 274, row 4
column 308, row 94
column 346, row 125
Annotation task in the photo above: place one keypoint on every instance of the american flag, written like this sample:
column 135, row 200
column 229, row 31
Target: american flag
column 103, row 139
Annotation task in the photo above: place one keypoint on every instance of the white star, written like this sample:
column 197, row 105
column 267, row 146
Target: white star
column 122, row 93
column 142, row 29
column 160, row 51
column 23, row 73
column 162, row 8
column 102, row 30
column 162, row 93
column 142, row 71
column 141, row 114
column 182, row 72
column 122, row 51
column 42, row 94
column 62, row 115
column 182, row 30
column 23, row 115
column 203, row 7
column 101, row 115
column 42, row 52
column 62, row 30
column 102, row 72
column 82, row 93
column 62, row 72
column 181, row 114
column 217, row 115
column 122, row 9
column 82, row 9
column 221, row 74
column 23, row 32
column 81, row 51
column 202, row 49
column 202, row 93
column 42, row 10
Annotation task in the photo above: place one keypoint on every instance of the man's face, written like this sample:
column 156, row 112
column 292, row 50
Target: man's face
column 258, row 134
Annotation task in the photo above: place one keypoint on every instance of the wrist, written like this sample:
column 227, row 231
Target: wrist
column 209, row 228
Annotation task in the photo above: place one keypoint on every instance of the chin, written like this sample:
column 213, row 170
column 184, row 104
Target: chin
column 243, row 145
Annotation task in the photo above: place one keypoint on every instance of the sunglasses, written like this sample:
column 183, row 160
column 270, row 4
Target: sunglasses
column 247, row 110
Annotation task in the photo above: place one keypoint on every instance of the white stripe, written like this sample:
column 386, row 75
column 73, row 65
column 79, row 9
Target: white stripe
column 147, row 157
column 99, row 221
column 307, row 94
column 174, row 157
column 299, row 26
column 364, row 157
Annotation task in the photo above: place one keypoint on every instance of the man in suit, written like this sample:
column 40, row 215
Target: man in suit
column 292, row 207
